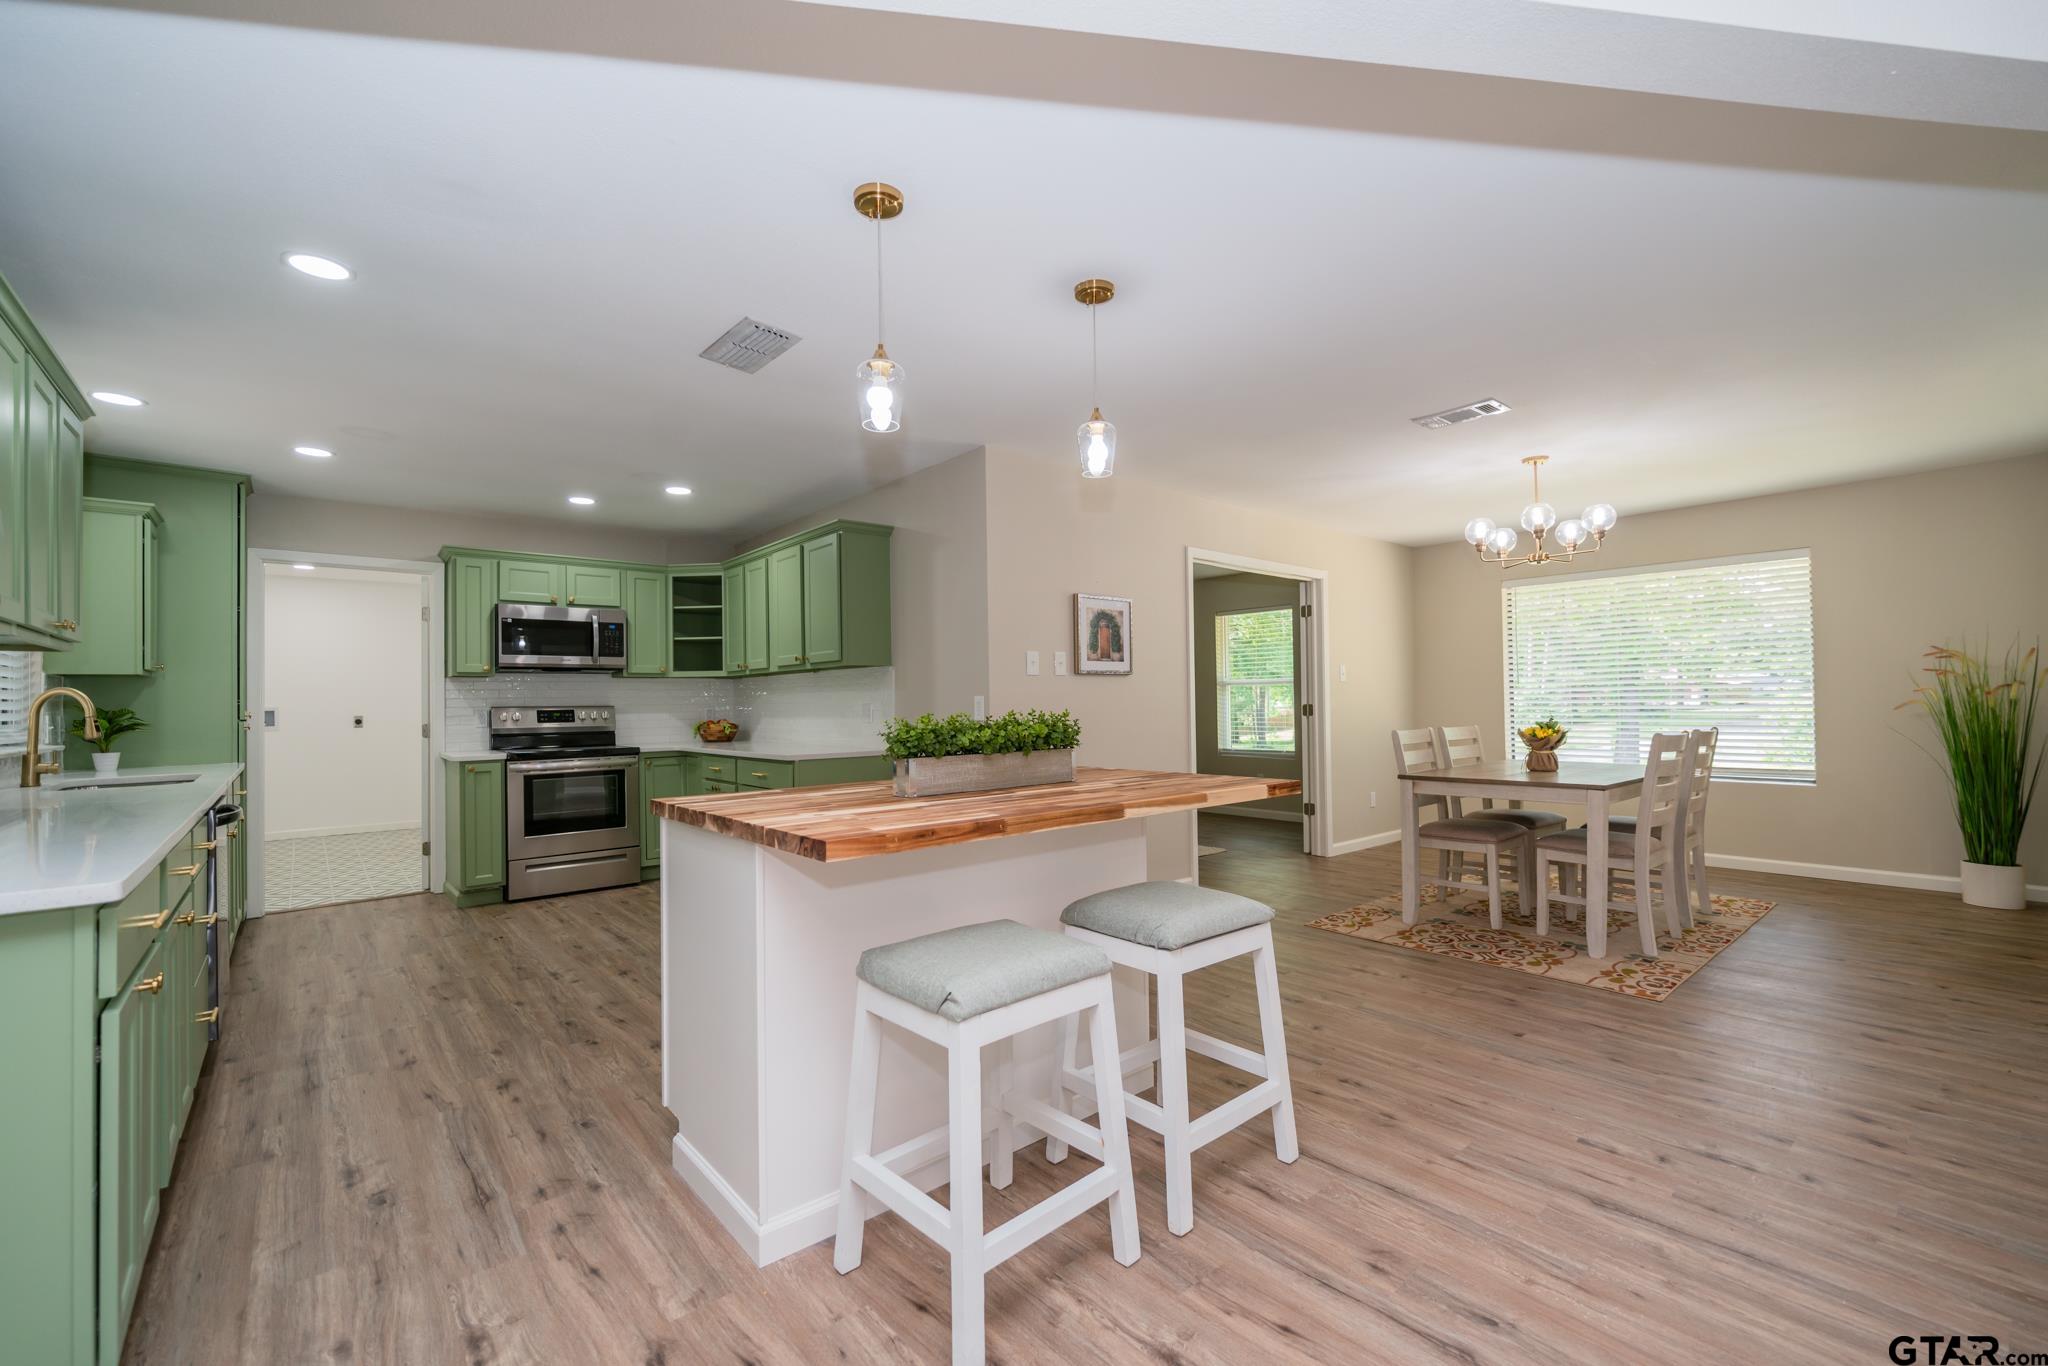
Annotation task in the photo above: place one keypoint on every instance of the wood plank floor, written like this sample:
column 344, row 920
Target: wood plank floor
column 435, row 1135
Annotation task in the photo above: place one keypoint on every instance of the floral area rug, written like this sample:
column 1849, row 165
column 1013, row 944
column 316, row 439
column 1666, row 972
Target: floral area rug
column 1454, row 924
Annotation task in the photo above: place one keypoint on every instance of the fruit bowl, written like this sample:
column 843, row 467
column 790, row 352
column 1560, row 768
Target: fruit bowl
column 717, row 732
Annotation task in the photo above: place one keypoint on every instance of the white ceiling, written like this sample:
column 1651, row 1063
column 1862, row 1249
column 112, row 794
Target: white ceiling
column 1682, row 300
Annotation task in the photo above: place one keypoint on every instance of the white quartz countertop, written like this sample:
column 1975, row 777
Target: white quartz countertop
column 753, row 749
column 62, row 846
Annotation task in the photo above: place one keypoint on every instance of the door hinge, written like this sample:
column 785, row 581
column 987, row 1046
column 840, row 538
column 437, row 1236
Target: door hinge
column 1308, row 808
column 423, row 730
column 426, row 846
column 424, row 615
column 1308, row 709
column 1308, row 609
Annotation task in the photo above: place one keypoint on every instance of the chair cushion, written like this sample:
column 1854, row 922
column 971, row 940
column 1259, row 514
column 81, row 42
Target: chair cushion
column 1627, row 823
column 1165, row 915
column 1528, row 820
column 1619, row 845
column 1472, row 830
column 975, row 969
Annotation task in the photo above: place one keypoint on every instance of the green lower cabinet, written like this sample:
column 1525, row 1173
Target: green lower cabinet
column 136, row 1038
column 765, row 774
column 661, row 775
column 476, row 830
column 706, row 773
column 117, row 631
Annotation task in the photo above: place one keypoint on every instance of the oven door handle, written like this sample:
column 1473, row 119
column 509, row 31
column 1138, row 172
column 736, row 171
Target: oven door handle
column 571, row 765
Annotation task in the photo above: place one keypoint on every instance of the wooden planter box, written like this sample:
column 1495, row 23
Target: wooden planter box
column 982, row 772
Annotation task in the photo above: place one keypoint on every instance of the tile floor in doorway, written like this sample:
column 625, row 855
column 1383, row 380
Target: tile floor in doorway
column 319, row 870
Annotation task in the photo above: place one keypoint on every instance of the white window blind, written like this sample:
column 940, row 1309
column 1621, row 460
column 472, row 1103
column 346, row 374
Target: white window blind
column 1618, row 657
column 1255, row 681
column 21, row 678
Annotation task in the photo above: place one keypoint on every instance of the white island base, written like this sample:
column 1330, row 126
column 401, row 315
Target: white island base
column 758, row 949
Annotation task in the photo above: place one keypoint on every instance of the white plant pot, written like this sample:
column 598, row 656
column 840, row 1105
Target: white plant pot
column 106, row 763
column 1995, row 885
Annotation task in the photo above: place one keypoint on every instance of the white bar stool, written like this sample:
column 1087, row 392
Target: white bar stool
column 964, row 989
column 1171, row 929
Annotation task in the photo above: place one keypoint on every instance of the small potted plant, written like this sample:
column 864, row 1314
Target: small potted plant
column 115, row 722
column 717, row 732
column 936, row 755
column 1984, row 718
column 1542, row 740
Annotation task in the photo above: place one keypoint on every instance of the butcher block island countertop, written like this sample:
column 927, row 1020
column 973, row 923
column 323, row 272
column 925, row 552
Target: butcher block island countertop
column 863, row 820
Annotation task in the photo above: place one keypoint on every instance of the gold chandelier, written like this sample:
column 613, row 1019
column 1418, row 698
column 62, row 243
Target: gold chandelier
column 1539, row 519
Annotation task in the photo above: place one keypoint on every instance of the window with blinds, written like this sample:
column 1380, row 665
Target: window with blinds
column 21, row 678
column 1619, row 657
column 1255, row 681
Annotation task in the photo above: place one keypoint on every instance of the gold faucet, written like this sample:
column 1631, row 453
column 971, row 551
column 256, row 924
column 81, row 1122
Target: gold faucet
column 32, row 766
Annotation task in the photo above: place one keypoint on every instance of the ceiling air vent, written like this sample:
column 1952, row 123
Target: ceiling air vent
column 1471, row 412
column 748, row 345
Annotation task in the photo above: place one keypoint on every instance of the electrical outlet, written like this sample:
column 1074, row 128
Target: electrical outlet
column 980, row 707
column 1059, row 663
column 1031, row 663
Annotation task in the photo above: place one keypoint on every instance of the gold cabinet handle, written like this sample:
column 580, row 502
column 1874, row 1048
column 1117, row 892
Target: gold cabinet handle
column 207, row 1016
column 186, row 918
column 757, row 774
column 552, row 598
column 235, row 833
column 206, row 844
column 149, row 922
column 158, row 668
column 193, row 871
column 241, row 792
column 572, row 597
column 151, row 984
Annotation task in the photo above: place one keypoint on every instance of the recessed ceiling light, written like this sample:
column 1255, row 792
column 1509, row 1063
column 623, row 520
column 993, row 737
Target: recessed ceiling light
column 580, row 501
column 679, row 490
column 307, row 567
column 315, row 452
column 118, row 400
column 319, row 267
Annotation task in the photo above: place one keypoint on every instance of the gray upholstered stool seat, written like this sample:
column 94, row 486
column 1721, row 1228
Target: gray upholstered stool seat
column 1165, row 915
column 1528, row 820
column 961, row 973
column 1473, row 830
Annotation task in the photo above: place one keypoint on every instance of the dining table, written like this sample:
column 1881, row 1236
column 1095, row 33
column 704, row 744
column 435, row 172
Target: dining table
column 1595, row 786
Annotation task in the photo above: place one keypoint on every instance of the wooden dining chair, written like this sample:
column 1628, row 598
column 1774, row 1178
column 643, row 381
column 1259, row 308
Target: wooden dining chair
column 1648, row 853
column 1460, row 746
column 1692, row 833
column 1485, row 840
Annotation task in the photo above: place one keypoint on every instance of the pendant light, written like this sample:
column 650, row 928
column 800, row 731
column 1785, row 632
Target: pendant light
column 881, row 379
column 1096, row 438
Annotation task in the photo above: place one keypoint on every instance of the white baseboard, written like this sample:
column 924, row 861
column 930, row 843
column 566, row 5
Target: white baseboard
column 1365, row 842
column 1837, row 872
column 1291, row 817
column 340, row 830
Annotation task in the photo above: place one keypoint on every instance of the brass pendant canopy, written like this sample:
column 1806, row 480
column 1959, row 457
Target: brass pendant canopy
column 1093, row 292
column 878, row 199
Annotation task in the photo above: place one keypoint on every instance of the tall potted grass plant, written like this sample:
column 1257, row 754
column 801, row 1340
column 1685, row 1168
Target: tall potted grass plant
column 1984, row 718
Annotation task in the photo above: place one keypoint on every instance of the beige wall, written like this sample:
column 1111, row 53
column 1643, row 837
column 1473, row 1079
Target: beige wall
column 281, row 522
column 1214, row 596
column 938, row 579
column 1051, row 535
column 1898, row 564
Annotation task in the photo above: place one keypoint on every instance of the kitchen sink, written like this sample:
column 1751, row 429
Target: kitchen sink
column 150, row 780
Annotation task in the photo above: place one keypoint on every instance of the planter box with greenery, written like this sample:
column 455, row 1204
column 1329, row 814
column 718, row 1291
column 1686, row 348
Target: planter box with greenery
column 1984, row 718
column 936, row 755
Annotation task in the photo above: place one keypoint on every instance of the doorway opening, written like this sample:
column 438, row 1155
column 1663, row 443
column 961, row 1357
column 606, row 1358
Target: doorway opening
column 343, row 654
column 1256, row 645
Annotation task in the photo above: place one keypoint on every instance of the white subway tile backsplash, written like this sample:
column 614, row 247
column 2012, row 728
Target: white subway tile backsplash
column 841, row 708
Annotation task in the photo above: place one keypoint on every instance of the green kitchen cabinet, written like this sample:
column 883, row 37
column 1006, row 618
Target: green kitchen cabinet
column 647, row 623
column 540, row 581
column 824, row 615
column 697, row 637
column 661, row 775
column 476, row 830
column 472, row 600
column 754, row 610
column 119, row 587
column 13, row 478
column 764, row 774
column 592, row 585
column 136, row 1035
column 42, row 480
column 706, row 773
column 733, row 583
column 786, row 608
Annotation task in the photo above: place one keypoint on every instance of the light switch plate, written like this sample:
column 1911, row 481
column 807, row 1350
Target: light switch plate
column 1059, row 662
column 1031, row 663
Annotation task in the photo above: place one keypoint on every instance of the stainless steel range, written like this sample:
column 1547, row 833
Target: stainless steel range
column 572, row 800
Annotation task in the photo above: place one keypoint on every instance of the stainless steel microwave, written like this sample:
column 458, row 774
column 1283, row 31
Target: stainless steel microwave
column 531, row 636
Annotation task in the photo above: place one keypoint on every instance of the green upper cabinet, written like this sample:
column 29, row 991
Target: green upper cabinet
column 754, row 607
column 42, row 481
column 824, row 633
column 733, row 583
column 646, row 597
column 786, row 608
column 472, row 597
column 540, row 581
column 119, row 589
column 591, row 585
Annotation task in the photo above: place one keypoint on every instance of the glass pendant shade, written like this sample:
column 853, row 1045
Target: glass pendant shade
column 1600, row 517
column 1571, row 532
column 1539, row 517
column 881, row 393
column 1503, row 541
column 1096, row 440
column 1477, row 530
